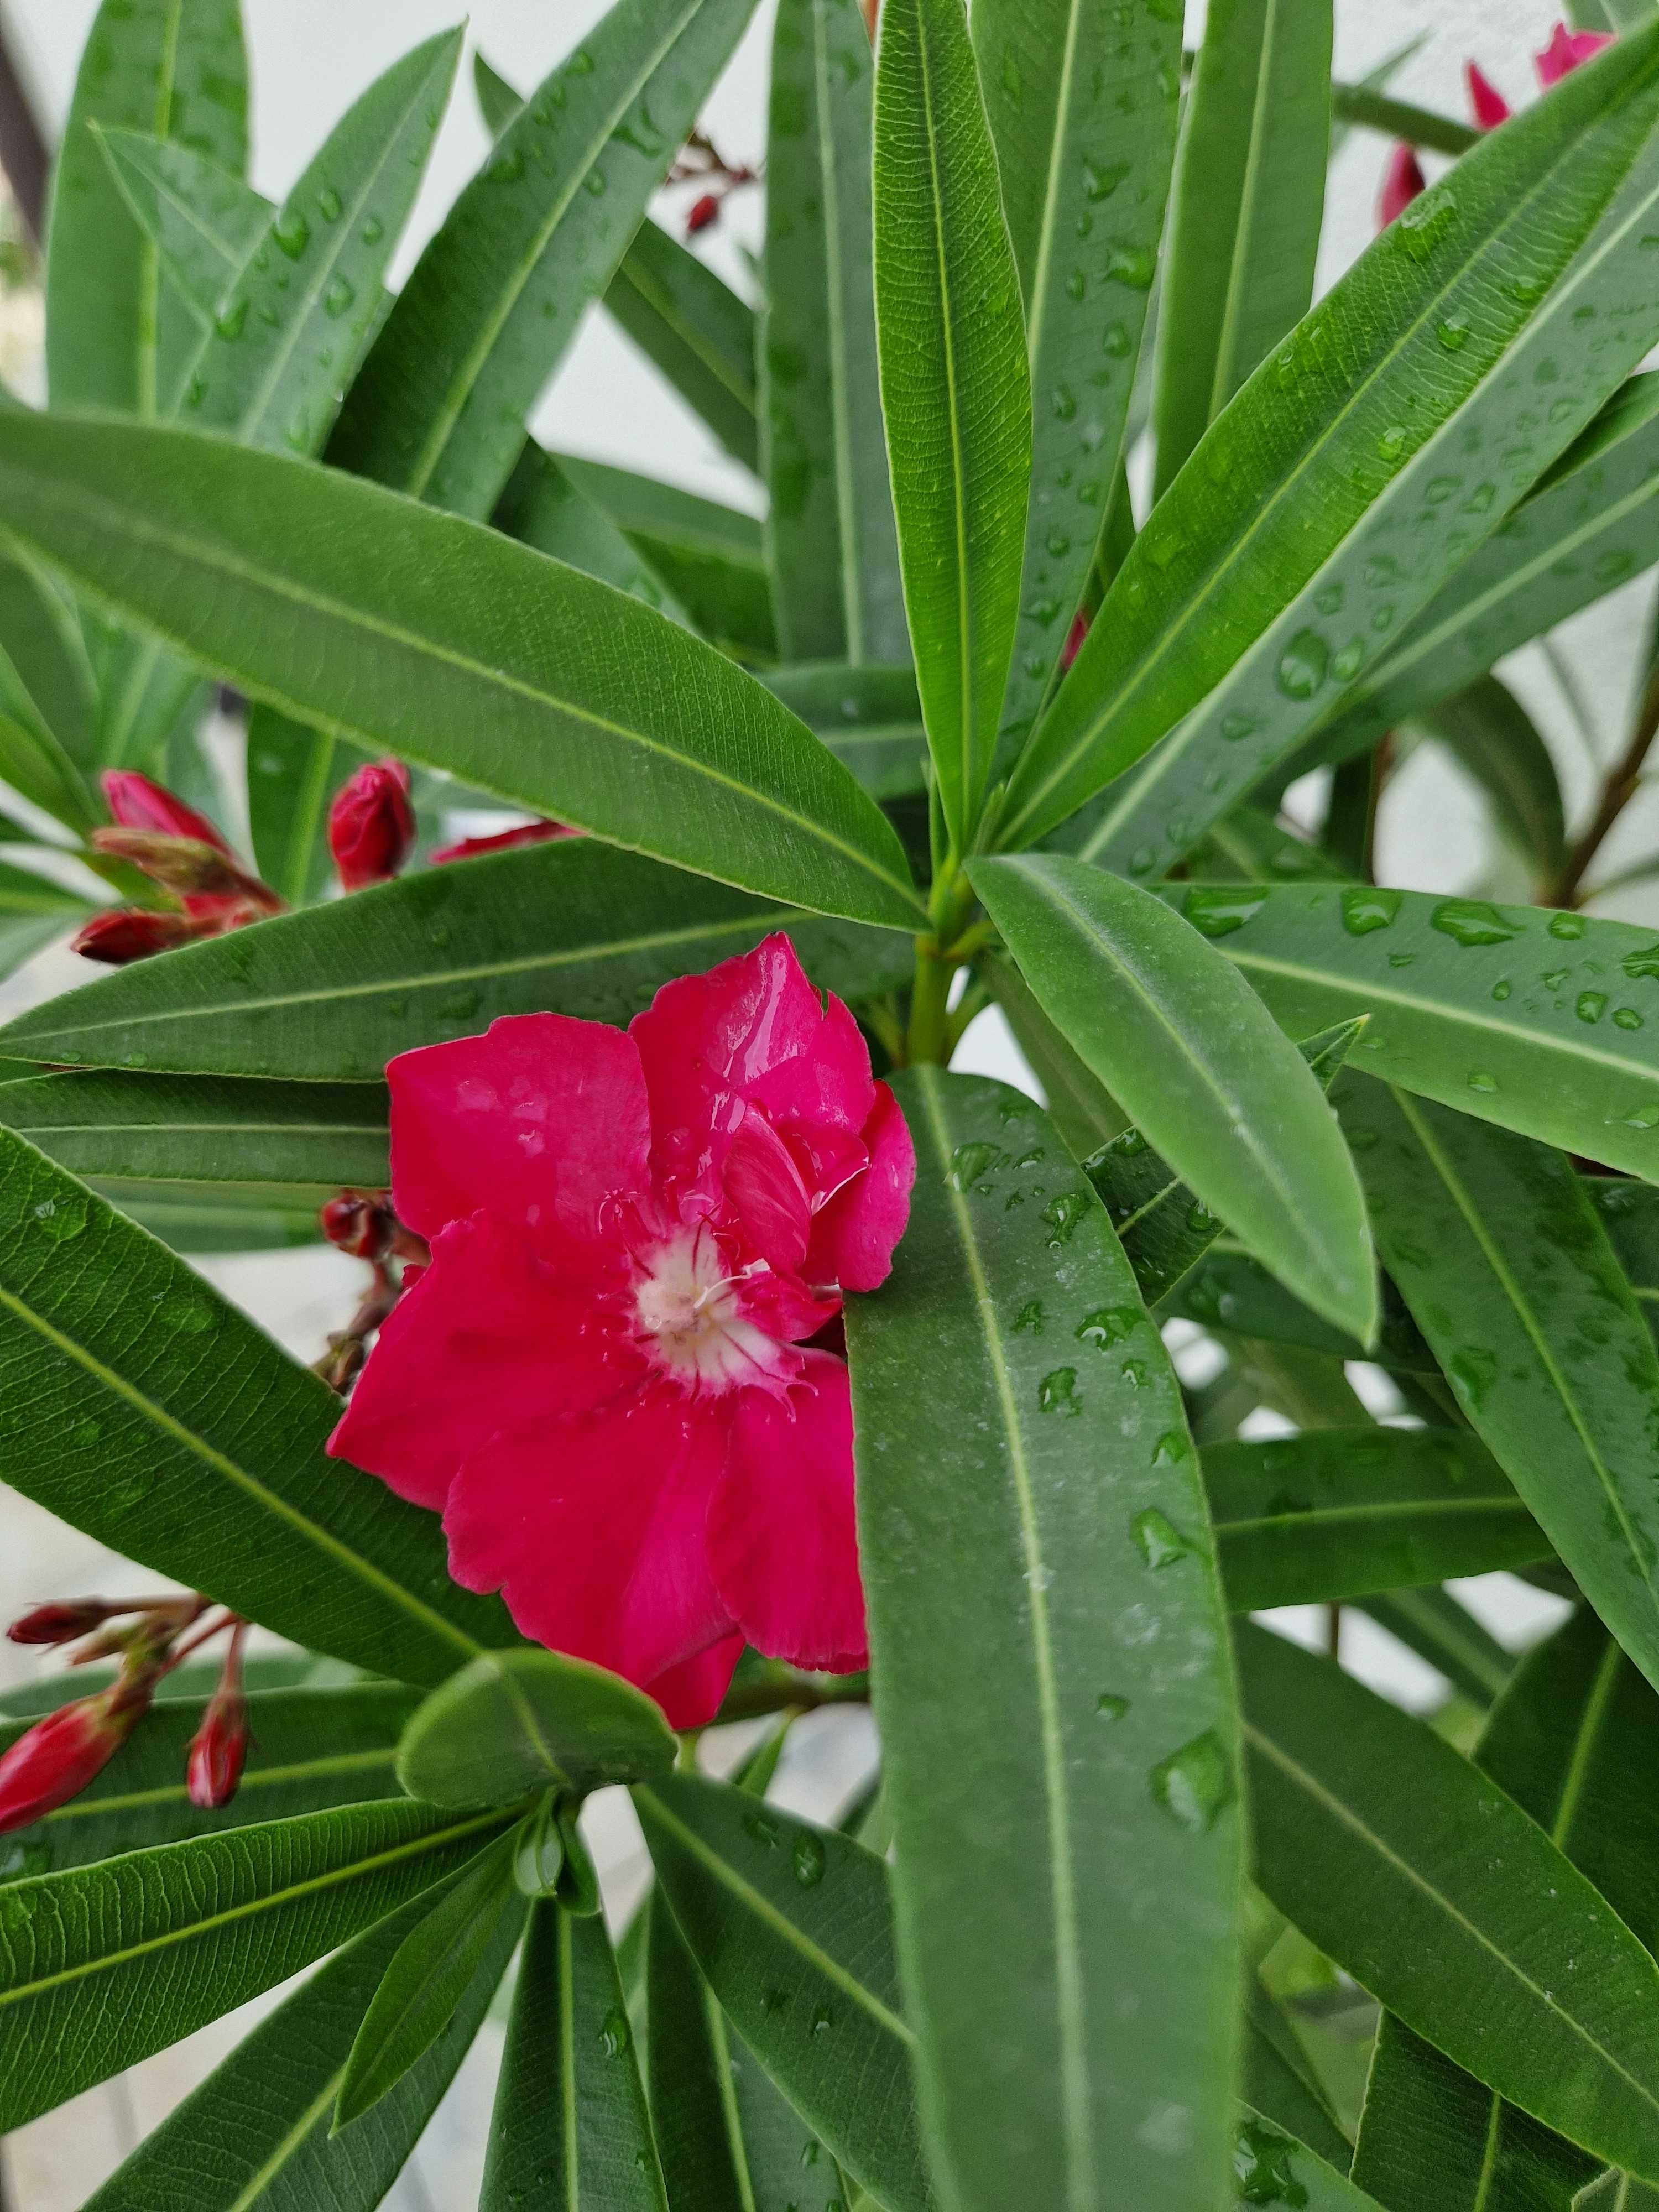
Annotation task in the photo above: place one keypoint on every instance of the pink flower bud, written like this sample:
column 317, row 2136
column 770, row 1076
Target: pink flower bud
column 703, row 212
column 503, row 840
column 217, row 1751
column 371, row 824
column 1487, row 104
column 135, row 803
column 1074, row 637
column 59, row 1755
column 190, row 867
column 1566, row 52
column 1402, row 180
column 127, row 933
column 60, row 1623
column 358, row 1225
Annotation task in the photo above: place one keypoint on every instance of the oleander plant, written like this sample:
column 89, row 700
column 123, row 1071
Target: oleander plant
column 724, row 1357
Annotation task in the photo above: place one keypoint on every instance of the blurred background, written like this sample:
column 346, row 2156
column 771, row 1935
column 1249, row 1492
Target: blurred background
column 309, row 60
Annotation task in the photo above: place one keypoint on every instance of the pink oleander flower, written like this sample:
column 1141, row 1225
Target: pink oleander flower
column 1486, row 103
column 1566, row 52
column 1402, row 180
column 502, row 841
column 606, row 1380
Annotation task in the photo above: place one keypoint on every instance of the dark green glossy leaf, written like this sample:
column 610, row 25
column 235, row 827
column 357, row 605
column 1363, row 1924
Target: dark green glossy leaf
column 834, row 555
column 175, row 69
column 1083, row 1109
column 1249, row 845
column 514, row 1723
column 573, row 928
column 542, row 507
column 440, row 408
column 307, row 1749
column 1249, row 592
column 222, row 1217
column 254, row 2136
column 1431, row 1623
column 33, row 910
column 293, row 773
column 203, row 221
column 1249, row 196
column 426, row 1978
column 1047, row 1557
column 1082, row 105
column 102, row 1965
column 570, row 2120
column 456, row 648
column 1279, row 2084
column 1411, row 1870
column 1336, row 1513
column 1616, row 2192
column 167, row 1130
column 47, row 734
column 1629, row 1211
column 1547, row 1024
column 1493, row 737
column 870, row 717
column 1509, row 1275
column 117, row 1416
column 1270, row 2167
column 1231, row 1291
column 791, row 1928
column 956, row 390
column 1210, row 1081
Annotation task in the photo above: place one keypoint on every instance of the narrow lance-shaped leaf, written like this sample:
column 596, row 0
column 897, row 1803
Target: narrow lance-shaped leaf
column 457, row 649
column 572, row 926
column 570, row 2114
column 1432, row 1623
column 1414, row 1872
column 1082, row 110
column 542, row 507
column 955, row 387
column 1547, row 1024
column 102, row 1965
column 254, row 2136
column 1249, row 198
column 1211, row 1081
column 118, row 1417
column 1063, row 1813
column 34, row 910
column 293, row 773
column 1323, row 508
column 440, row 408
column 1510, row 1276
column 1279, row 2085
column 1272, row 2167
column 870, row 717
column 203, row 221
column 834, row 555
column 791, row 1928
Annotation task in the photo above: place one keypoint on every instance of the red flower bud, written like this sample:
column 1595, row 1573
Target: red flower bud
column 190, row 867
column 532, row 833
column 58, row 1756
column 358, row 1225
column 60, row 1623
column 371, row 824
column 217, row 1751
column 703, row 212
column 1402, row 180
column 137, row 803
column 1487, row 105
column 1074, row 637
column 125, row 933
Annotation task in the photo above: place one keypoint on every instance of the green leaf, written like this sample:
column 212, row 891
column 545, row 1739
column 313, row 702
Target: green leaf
column 440, row 408
column 1509, row 1275
column 203, row 221
column 541, row 506
column 287, row 336
column 454, row 647
column 513, row 1722
column 1416, row 1873
column 1230, row 1291
column 726, row 2137
column 1616, row 2192
column 696, row 330
column 956, row 391
column 1249, row 843
column 47, row 707
column 254, row 2136
column 1210, row 1080
column 1431, row 1623
column 1046, row 1554
column 1270, row 2167
column 1083, row 1110
column 1337, row 1513
column 1547, row 1024
column 307, row 1749
column 156, row 1129
column 426, row 1978
column 570, row 2113
column 572, row 926
column 225, row 1217
column 1279, row 2083
column 830, row 539
column 1083, row 112
column 1364, row 105
column 33, row 910
column 293, row 773
column 711, row 557
column 1249, row 594
column 1249, row 196
column 1163, row 1227
column 103, row 1965
column 176, row 69
column 1493, row 737
column 791, row 1928
column 870, row 717
column 1629, row 1211
column 118, row 1416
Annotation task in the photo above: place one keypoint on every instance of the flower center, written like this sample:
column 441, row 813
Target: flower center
column 689, row 1312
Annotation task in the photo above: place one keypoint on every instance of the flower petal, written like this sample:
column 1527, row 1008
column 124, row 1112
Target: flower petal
column 484, row 1340
column 780, row 1532
column 853, row 1239
column 764, row 1186
column 541, row 1119
column 690, row 1694
column 594, row 1531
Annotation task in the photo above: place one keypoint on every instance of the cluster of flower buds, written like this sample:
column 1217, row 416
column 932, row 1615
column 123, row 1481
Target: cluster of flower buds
column 55, row 1759
column 371, row 824
column 701, row 160
column 182, row 853
column 361, row 1223
column 1403, row 178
